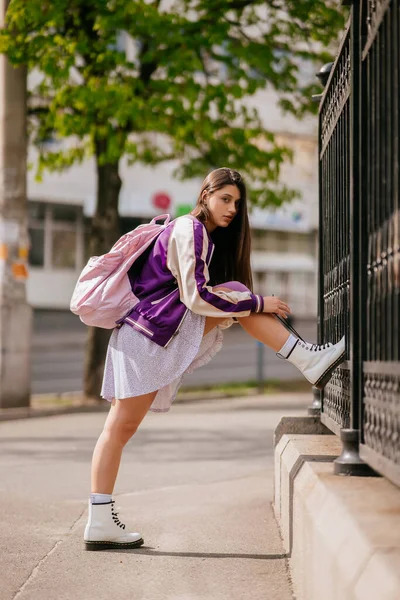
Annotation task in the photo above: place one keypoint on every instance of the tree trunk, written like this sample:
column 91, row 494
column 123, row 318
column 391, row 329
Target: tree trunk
column 15, row 313
column 105, row 230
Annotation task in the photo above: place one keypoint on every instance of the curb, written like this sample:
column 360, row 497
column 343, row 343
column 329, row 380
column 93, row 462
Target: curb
column 13, row 414
column 29, row 412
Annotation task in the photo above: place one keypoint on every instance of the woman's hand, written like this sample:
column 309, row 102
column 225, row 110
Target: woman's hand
column 272, row 304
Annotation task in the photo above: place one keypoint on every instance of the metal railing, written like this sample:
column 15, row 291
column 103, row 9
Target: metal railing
column 359, row 239
column 334, row 178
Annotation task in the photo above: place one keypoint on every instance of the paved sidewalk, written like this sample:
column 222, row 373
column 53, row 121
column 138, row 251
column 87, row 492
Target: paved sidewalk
column 196, row 482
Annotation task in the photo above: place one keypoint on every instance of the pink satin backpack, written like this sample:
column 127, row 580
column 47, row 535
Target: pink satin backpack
column 103, row 293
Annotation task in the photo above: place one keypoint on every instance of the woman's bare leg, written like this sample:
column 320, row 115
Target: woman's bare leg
column 122, row 421
column 317, row 367
column 265, row 328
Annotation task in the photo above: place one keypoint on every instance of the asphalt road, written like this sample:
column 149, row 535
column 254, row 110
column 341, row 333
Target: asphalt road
column 58, row 348
column 196, row 482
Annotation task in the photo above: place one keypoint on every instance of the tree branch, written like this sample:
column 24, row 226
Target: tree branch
column 240, row 4
column 146, row 69
column 38, row 110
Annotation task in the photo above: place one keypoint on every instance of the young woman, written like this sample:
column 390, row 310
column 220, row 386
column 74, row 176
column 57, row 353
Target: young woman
column 195, row 281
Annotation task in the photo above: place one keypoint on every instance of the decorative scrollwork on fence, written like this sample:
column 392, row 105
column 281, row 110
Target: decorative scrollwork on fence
column 382, row 414
column 337, row 93
column 336, row 402
column 383, row 277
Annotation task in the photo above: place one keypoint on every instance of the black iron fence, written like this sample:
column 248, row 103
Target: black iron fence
column 359, row 279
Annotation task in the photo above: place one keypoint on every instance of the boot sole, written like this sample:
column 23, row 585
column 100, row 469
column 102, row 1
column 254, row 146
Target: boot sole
column 325, row 377
column 112, row 545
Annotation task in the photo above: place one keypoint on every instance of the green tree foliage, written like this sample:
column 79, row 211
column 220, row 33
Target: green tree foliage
column 179, row 92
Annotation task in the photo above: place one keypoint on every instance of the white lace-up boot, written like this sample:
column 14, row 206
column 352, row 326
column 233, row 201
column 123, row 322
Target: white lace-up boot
column 316, row 362
column 105, row 530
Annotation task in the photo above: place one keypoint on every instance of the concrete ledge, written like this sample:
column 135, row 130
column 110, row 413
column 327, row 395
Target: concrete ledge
column 310, row 425
column 342, row 534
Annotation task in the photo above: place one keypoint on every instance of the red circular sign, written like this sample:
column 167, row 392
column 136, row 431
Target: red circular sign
column 161, row 200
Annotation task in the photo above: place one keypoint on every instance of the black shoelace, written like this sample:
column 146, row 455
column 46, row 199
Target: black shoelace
column 314, row 347
column 115, row 516
column 317, row 347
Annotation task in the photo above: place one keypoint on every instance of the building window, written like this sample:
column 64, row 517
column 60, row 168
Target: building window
column 301, row 243
column 257, row 239
column 36, row 218
column 270, row 240
column 63, row 249
column 64, row 214
column 276, row 283
column 282, row 241
column 56, row 236
column 36, row 251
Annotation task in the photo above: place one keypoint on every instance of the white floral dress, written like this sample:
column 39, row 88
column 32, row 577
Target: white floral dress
column 135, row 365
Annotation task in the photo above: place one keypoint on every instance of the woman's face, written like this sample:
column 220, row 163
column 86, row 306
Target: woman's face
column 223, row 206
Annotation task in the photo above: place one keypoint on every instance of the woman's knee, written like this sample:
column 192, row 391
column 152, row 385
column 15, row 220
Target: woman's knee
column 229, row 286
column 232, row 286
column 126, row 415
column 121, row 431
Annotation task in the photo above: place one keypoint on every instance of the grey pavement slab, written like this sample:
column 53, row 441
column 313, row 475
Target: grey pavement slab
column 196, row 482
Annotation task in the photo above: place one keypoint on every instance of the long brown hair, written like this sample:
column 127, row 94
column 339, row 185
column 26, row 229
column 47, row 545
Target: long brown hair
column 231, row 258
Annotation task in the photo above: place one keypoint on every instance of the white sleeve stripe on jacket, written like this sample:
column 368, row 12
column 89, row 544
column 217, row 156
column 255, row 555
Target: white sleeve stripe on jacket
column 187, row 250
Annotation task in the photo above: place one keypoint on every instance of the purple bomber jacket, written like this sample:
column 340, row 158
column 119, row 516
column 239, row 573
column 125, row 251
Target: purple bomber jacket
column 173, row 280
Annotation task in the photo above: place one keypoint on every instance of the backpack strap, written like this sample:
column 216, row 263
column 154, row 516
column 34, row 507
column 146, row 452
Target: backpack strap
column 166, row 218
